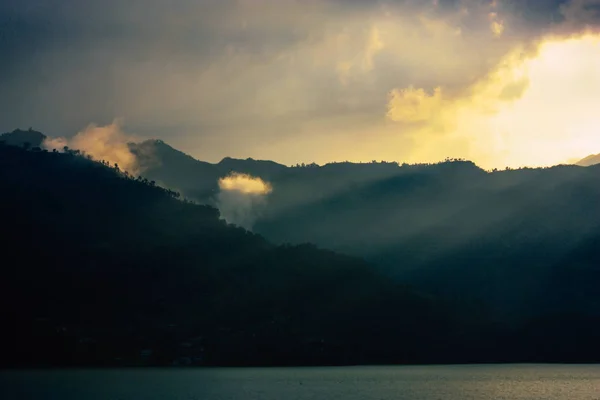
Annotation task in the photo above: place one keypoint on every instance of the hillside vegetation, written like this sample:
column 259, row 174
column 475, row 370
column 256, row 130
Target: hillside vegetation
column 104, row 268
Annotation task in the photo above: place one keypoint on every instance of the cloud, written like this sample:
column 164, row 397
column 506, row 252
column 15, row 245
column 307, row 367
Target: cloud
column 262, row 78
column 580, row 13
column 104, row 143
column 363, row 61
column 534, row 109
column 245, row 184
column 414, row 105
column 496, row 24
column 57, row 144
column 241, row 198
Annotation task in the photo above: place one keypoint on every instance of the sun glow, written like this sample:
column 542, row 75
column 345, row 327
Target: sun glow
column 558, row 115
column 533, row 109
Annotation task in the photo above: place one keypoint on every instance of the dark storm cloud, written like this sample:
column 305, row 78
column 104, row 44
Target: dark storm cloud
column 582, row 12
column 70, row 61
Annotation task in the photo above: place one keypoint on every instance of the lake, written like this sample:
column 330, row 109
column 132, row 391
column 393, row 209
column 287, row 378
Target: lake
column 548, row 382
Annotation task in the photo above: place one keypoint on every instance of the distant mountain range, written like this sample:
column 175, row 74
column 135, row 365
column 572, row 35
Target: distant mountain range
column 462, row 265
column 196, row 179
column 171, row 167
column 267, row 169
column 432, row 225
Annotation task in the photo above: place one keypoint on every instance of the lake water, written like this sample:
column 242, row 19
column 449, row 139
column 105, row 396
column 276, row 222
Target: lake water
column 548, row 382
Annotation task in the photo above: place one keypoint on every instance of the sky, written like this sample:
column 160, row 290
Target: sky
column 502, row 83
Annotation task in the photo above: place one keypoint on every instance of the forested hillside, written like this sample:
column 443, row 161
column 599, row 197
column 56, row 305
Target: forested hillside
column 101, row 268
column 521, row 241
column 104, row 268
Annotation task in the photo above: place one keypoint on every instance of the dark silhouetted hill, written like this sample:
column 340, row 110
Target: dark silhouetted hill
column 175, row 169
column 100, row 268
column 196, row 179
column 112, row 269
column 501, row 238
column 18, row 137
column 267, row 170
column 507, row 239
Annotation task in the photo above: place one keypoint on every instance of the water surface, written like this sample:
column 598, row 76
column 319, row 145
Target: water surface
column 521, row 382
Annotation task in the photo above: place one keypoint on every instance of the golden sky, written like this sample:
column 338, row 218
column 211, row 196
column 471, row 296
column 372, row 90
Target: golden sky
column 534, row 110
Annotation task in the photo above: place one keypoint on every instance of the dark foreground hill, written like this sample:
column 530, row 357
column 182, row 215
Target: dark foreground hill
column 100, row 268
column 26, row 138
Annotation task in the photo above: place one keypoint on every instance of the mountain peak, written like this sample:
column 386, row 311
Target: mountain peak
column 20, row 137
column 265, row 169
column 589, row 160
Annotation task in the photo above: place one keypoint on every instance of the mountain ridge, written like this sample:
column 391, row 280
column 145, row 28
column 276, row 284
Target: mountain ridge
column 19, row 137
column 589, row 160
column 462, row 265
column 121, row 266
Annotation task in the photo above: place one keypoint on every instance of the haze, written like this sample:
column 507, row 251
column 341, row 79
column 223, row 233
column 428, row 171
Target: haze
column 502, row 83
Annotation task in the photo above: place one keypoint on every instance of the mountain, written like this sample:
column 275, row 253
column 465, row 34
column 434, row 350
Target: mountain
column 175, row 169
column 170, row 167
column 267, row 170
column 196, row 179
column 508, row 239
column 589, row 160
column 113, row 270
column 105, row 269
column 20, row 137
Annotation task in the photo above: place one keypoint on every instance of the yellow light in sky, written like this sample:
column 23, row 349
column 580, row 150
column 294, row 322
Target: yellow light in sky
column 557, row 118
column 532, row 110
